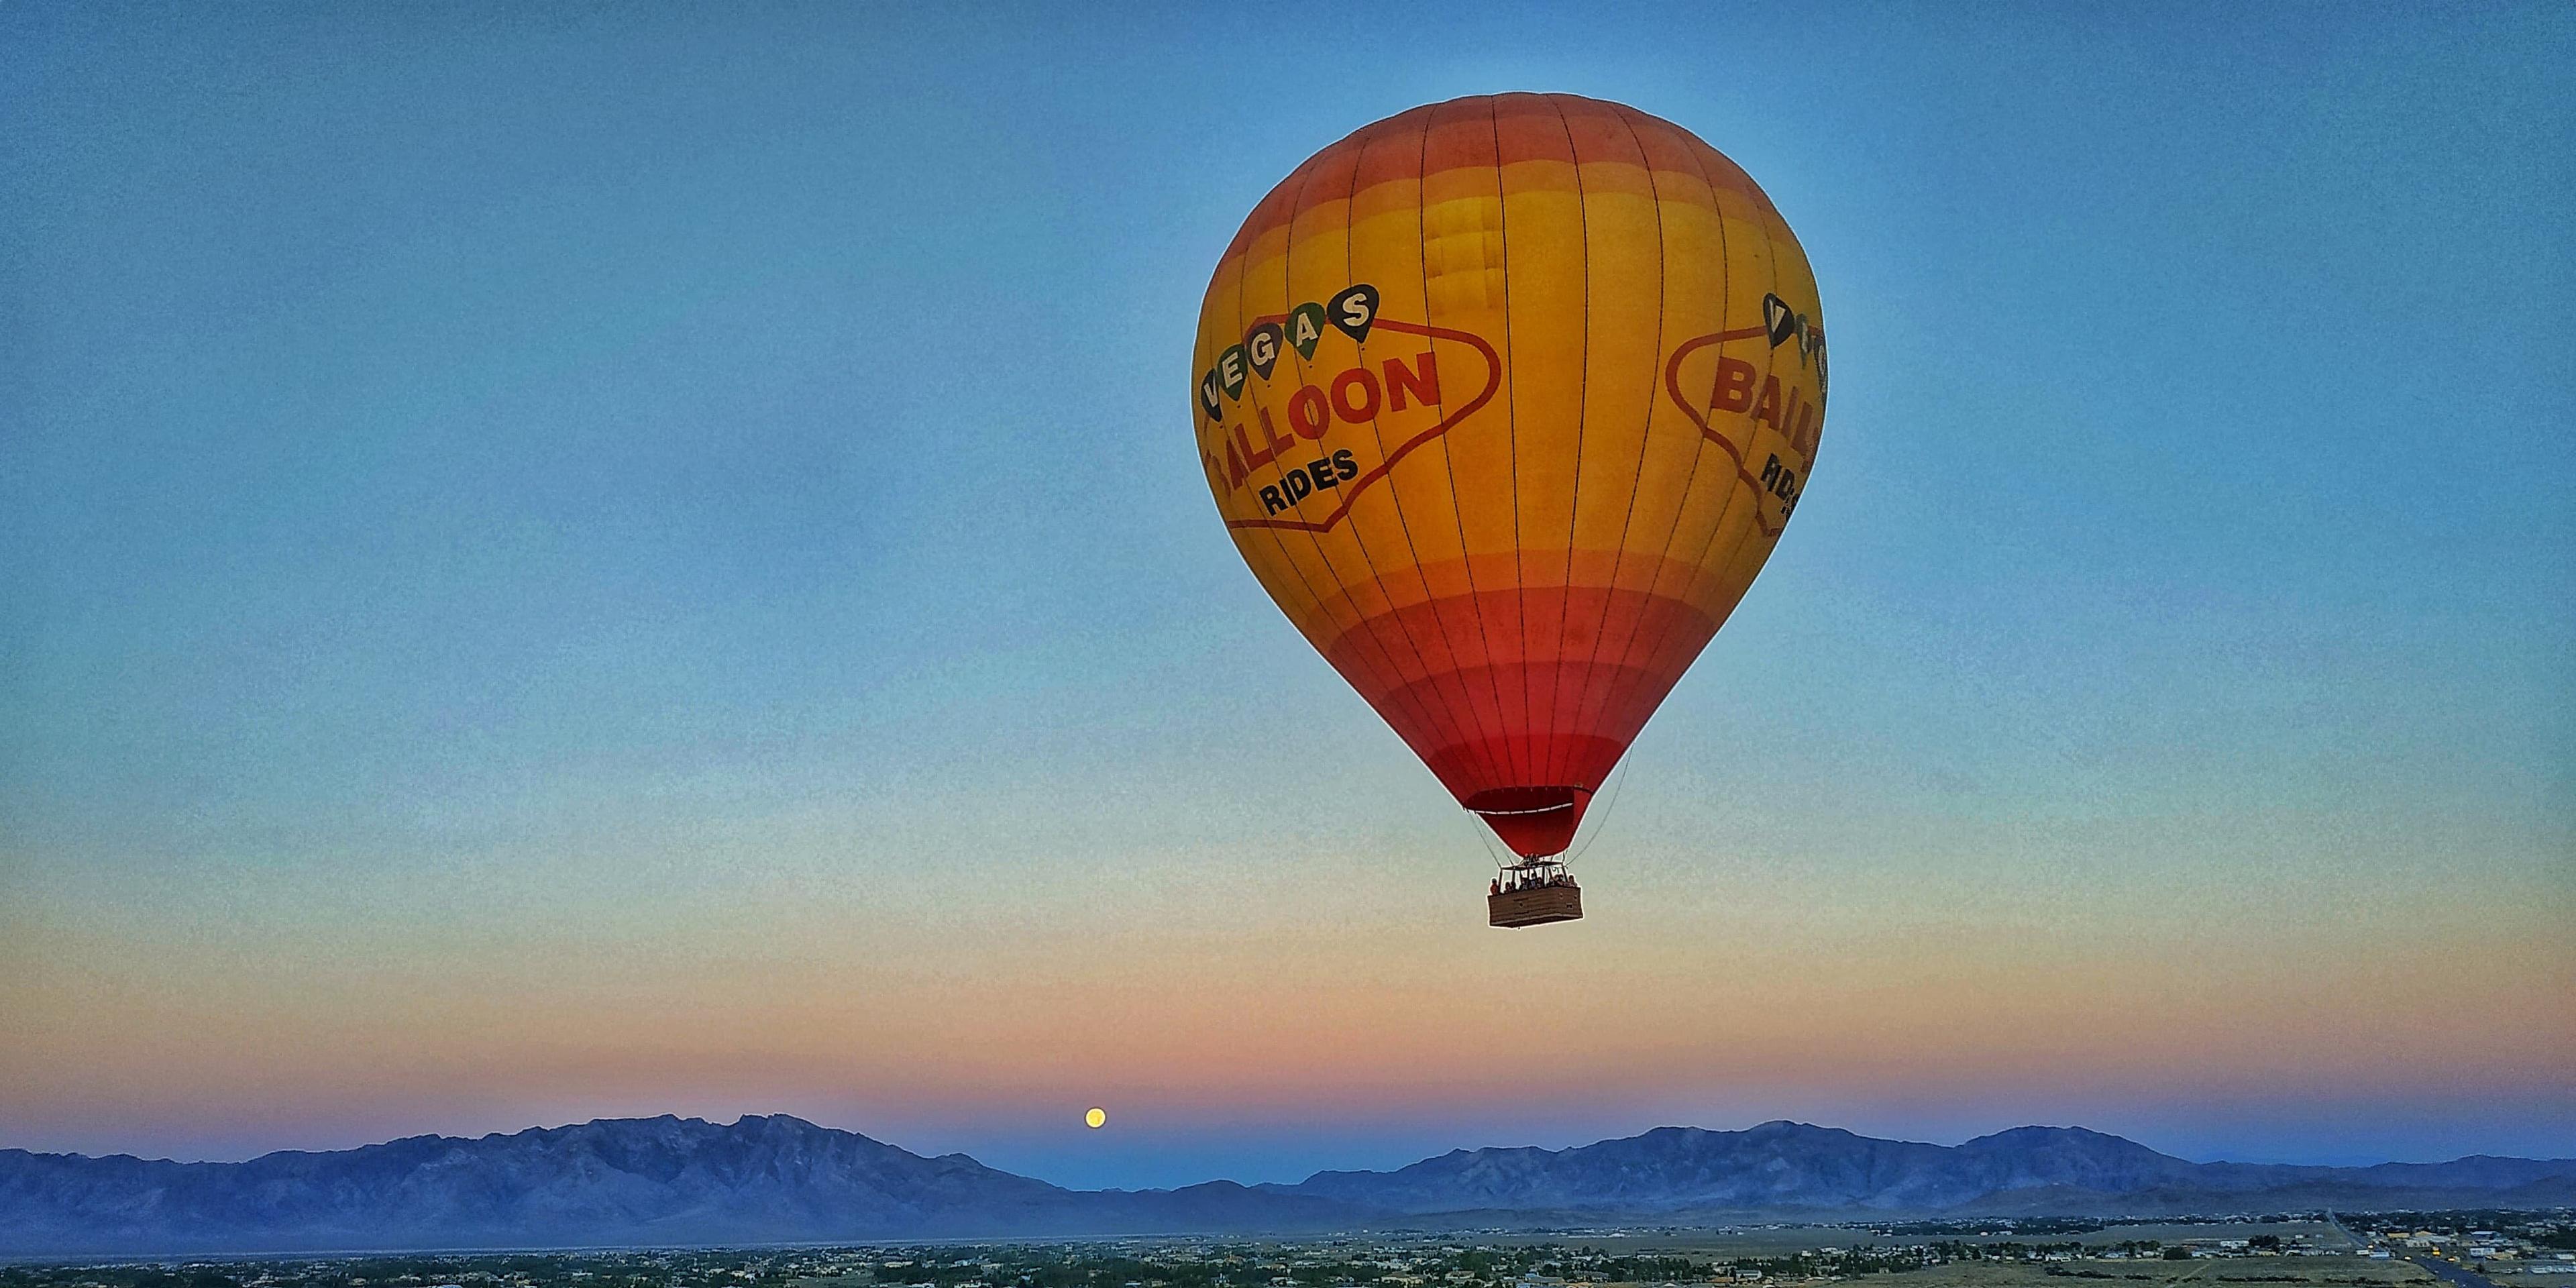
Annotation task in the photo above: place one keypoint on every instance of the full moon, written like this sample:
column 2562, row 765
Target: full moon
column 1094, row 1117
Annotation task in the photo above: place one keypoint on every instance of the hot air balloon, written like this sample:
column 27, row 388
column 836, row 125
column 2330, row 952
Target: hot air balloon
column 1505, row 400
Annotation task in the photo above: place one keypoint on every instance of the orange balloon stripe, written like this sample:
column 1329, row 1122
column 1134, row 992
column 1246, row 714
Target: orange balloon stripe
column 1670, row 153
column 1578, row 741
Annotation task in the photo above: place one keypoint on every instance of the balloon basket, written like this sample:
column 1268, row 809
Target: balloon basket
column 1534, row 893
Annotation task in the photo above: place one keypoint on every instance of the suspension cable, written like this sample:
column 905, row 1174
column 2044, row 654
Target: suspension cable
column 1625, row 771
column 1484, row 839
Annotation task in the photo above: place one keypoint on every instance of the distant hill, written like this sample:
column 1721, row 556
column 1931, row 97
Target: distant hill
column 616, row 1181
column 1793, row 1169
column 779, row 1179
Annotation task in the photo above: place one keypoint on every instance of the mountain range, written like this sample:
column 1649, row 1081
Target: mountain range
column 776, row 1179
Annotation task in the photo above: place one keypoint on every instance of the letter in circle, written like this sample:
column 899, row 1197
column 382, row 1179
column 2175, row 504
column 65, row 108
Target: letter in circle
column 1305, row 327
column 1353, row 310
column 1229, row 369
column 1207, row 397
column 1262, row 347
column 1779, row 320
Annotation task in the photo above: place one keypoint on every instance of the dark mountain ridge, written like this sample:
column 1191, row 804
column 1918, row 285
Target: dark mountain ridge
column 1787, row 1168
column 660, row 1180
column 776, row 1179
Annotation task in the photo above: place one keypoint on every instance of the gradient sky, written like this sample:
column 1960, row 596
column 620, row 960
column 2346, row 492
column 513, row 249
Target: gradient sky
column 590, row 560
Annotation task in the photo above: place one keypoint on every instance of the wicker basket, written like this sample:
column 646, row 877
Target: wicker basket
column 1535, row 906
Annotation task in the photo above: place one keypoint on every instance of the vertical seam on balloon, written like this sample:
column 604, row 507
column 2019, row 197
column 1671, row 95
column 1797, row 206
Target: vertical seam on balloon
column 1726, row 508
column 1495, row 772
column 1637, row 676
column 1786, row 424
column 1243, row 271
column 1556, row 768
column 1511, row 427
column 1654, row 396
column 1735, row 484
column 1478, row 747
column 1424, row 708
column 1651, row 663
column 1395, row 494
column 1422, row 702
column 1770, row 369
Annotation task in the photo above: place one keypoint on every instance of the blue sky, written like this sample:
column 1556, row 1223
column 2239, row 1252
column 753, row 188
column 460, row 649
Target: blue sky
column 499, row 506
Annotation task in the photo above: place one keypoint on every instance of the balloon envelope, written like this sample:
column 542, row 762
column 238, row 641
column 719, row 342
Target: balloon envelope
column 1505, row 400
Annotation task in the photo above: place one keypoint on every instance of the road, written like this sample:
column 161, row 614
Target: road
column 2449, row 1272
column 2453, row 1273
